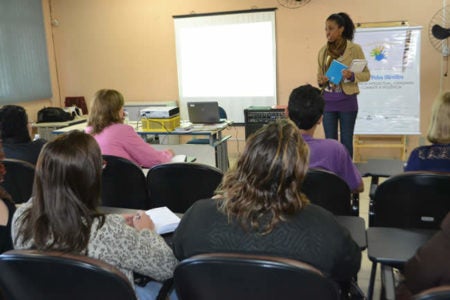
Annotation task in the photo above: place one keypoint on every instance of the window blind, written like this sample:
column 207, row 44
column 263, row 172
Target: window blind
column 24, row 71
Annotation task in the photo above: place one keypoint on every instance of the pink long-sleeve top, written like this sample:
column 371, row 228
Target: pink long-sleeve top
column 121, row 140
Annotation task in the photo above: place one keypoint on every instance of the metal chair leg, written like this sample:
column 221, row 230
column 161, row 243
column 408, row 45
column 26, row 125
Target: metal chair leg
column 373, row 273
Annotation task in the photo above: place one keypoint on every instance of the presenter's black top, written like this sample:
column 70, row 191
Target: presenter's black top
column 312, row 236
column 24, row 151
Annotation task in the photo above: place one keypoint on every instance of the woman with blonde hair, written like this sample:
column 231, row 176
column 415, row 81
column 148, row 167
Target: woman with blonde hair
column 114, row 137
column 259, row 209
column 434, row 157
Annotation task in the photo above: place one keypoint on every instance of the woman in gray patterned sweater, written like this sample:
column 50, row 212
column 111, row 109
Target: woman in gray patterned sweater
column 62, row 215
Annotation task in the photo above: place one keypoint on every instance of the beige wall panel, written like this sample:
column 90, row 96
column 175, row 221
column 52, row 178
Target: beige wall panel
column 130, row 45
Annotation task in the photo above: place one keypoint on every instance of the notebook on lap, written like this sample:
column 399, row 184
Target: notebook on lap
column 203, row 112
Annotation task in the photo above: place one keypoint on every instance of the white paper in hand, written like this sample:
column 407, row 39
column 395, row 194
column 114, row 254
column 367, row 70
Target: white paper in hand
column 358, row 65
column 164, row 219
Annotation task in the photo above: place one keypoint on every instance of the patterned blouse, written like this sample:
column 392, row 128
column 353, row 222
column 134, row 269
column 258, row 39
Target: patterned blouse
column 144, row 252
column 434, row 157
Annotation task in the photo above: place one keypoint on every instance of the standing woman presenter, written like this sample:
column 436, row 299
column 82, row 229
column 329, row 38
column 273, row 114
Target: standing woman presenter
column 341, row 104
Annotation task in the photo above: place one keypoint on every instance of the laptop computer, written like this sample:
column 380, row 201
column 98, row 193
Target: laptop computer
column 203, row 112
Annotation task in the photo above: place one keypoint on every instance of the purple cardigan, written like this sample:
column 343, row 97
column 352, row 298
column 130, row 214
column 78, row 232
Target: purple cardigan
column 121, row 140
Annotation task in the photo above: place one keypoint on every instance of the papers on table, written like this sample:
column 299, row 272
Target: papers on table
column 164, row 219
column 334, row 72
column 178, row 158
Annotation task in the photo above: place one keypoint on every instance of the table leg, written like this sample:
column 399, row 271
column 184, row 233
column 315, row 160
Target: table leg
column 388, row 282
column 373, row 273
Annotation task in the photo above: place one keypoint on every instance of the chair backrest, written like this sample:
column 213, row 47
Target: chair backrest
column 18, row 180
column 179, row 185
column 31, row 274
column 80, row 102
column 436, row 293
column 329, row 191
column 235, row 276
column 222, row 113
column 411, row 200
column 123, row 184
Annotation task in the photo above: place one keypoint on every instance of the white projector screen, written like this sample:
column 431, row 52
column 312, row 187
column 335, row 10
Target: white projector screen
column 227, row 57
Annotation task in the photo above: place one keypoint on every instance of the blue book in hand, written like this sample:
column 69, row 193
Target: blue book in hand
column 334, row 72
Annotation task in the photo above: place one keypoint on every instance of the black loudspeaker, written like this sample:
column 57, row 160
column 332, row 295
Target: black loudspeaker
column 255, row 118
column 252, row 128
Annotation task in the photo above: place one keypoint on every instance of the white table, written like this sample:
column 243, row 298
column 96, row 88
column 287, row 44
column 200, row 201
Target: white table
column 46, row 129
column 214, row 154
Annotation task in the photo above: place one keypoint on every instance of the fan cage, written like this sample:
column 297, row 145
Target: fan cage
column 293, row 3
column 441, row 18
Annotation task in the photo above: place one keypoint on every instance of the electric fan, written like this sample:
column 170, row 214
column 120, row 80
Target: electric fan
column 293, row 3
column 439, row 30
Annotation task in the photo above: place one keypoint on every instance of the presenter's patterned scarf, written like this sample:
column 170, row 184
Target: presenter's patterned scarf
column 336, row 49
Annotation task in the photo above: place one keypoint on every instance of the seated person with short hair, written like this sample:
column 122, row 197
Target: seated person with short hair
column 434, row 157
column 15, row 132
column 305, row 108
column 259, row 209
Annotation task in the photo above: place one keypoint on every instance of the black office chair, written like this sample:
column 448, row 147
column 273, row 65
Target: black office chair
column 331, row 192
column 18, row 180
column 123, row 184
column 235, row 276
column 436, row 293
column 414, row 200
column 222, row 115
column 411, row 200
column 31, row 274
column 179, row 185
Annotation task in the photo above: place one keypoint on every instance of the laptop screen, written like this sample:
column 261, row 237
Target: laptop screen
column 203, row 112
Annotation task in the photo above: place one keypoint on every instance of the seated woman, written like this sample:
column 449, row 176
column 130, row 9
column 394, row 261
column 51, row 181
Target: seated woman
column 15, row 134
column 105, row 123
column 259, row 210
column 434, row 157
column 430, row 266
column 7, row 208
column 63, row 215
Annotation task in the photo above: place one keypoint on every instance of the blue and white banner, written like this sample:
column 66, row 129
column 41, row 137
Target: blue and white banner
column 389, row 103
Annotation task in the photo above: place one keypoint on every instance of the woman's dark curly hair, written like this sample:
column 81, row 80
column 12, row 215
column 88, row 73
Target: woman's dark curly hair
column 263, row 188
